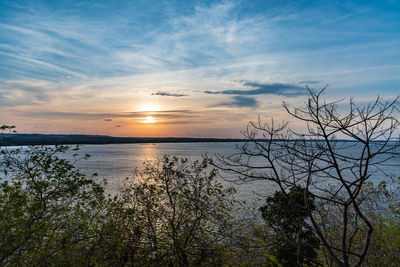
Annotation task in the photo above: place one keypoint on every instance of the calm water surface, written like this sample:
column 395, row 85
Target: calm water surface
column 118, row 161
column 115, row 162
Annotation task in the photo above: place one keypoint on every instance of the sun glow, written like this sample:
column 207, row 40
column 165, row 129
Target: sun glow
column 149, row 119
column 148, row 107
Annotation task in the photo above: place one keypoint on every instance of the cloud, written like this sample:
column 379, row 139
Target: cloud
column 113, row 57
column 20, row 93
column 180, row 122
column 240, row 102
column 163, row 93
column 283, row 89
column 167, row 114
column 310, row 82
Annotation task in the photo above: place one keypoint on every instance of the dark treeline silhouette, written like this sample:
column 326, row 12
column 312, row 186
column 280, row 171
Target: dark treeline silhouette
column 18, row 139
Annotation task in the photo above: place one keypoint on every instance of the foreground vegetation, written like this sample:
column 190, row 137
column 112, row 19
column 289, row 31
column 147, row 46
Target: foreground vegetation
column 172, row 212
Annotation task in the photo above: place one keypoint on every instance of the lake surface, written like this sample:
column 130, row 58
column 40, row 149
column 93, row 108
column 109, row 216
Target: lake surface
column 115, row 162
column 118, row 161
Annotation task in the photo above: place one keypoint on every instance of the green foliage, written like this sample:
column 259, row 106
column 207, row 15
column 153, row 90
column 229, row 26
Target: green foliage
column 183, row 212
column 384, row 204
column 381, row 204
column 385, row 244
column 47, row 207
column 172, row 212
column 286, row 216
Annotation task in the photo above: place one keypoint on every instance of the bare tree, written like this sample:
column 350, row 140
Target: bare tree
column 331, row 162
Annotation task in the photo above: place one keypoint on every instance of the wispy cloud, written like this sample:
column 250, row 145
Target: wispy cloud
column 263, row 88
column 92, row 60
column 168, row 114
column 163, row 93
column 22, row 93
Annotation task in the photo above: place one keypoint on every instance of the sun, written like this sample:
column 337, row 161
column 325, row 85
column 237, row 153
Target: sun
column 149, row 119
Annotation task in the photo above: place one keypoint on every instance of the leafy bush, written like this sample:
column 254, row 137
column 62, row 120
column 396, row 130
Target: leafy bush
column 48, row 209
column 295, row 243
column 182, row 211
column 171, row 212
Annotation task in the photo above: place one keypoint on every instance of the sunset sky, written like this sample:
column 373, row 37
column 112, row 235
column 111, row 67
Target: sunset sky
column 187, row 68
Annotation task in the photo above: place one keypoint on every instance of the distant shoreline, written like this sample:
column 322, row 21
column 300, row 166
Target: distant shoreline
column 17, row 139
column 77, row 139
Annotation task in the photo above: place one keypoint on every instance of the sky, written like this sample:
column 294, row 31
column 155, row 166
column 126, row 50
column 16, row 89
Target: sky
column 188, row 68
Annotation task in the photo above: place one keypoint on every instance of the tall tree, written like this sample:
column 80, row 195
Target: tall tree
column 332, row 172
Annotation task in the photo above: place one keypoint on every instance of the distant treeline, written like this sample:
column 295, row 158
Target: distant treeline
column 69, row 139
column 17, row 139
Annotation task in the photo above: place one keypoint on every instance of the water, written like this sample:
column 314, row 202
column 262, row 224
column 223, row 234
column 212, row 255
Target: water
column 118, row 161
column 115, row 162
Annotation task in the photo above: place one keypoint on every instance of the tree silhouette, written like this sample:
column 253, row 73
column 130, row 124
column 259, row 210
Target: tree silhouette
column 329, row 170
